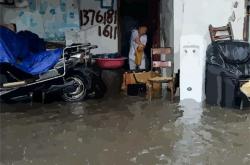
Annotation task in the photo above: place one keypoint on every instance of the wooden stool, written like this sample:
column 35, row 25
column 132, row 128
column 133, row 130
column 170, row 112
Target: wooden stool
column 161, row 80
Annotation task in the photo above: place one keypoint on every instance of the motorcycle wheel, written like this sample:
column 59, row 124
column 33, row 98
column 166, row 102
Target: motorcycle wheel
column 80, row 91
column 99, row 88
column 3, row 79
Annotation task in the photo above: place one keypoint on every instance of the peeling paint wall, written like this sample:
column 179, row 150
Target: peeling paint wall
column 194, row 17
column 59, row 19
column 48, row 19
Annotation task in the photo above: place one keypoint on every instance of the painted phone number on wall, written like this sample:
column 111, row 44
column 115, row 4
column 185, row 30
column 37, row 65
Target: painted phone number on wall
column 91, row 17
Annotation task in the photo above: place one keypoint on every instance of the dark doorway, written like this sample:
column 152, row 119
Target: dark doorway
column 132, row 13
column 246, row 32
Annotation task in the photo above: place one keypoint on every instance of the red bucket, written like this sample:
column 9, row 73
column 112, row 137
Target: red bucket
column 111, row 63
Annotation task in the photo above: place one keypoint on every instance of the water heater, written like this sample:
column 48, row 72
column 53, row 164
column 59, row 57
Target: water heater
column 192, row 67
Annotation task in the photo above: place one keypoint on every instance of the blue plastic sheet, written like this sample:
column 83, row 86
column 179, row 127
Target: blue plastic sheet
column 26, row 51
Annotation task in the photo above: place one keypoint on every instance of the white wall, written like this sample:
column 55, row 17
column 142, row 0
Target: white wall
column 90, row 33
column 194, row 17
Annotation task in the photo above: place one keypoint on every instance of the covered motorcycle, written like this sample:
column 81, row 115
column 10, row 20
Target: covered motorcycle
column 27, row 67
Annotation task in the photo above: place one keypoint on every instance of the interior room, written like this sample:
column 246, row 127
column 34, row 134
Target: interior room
column 134, row 12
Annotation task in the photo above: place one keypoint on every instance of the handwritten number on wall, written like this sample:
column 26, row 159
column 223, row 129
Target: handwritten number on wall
column 108, row 31
column 107, row 18
column 110, row 14
column 116, row 14
column 92, row 16
column 115, row 33
column 84, row 16
column 99, row 17
column 92, row 13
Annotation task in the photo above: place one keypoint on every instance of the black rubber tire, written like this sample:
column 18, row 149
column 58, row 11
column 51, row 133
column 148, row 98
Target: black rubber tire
column 81, row 94
column 99, row 87
column 3, row 79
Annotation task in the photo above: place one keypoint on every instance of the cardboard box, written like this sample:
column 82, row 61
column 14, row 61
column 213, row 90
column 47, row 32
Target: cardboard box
column 143, row 77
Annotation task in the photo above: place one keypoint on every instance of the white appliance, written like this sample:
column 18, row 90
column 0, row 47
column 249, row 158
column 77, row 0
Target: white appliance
column 192, row 67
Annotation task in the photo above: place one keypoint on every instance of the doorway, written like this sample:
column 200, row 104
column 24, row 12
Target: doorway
column 131, row 14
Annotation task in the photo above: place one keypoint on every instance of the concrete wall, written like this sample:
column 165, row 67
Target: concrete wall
column 248, row 4
column 49, row 19
column 167, row 23
column 99, row 31
column 1, row 14
column 167, row 28
column 194, row 17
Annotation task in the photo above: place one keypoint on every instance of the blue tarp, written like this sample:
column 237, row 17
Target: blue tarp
column 26, row 51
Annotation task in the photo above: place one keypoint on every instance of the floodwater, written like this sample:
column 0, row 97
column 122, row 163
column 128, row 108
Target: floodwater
column 123, row 131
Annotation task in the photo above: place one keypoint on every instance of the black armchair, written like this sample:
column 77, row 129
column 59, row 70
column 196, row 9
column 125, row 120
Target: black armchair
column 227, row 66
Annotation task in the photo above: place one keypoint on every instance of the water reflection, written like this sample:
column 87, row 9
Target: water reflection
column 192, row 112
column 211, row 136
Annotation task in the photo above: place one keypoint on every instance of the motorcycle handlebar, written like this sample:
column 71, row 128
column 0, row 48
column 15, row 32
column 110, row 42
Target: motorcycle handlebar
column 79, row 48
column 91, row 47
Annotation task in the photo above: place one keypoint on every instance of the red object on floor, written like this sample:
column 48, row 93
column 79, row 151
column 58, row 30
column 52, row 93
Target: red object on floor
column 110, row 63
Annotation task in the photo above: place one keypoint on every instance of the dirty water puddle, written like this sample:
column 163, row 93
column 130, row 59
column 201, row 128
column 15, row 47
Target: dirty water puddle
column 123, row 131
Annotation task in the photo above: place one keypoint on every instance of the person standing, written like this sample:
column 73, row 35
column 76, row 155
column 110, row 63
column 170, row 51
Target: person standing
column 138, row 43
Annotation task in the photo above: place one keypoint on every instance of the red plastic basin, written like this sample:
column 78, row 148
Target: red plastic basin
column 110, row 63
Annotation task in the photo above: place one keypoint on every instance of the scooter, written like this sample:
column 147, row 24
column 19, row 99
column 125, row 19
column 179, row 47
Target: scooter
column 73, row 76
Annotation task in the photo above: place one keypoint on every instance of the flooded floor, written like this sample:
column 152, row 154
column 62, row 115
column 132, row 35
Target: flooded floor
column 123, row 131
